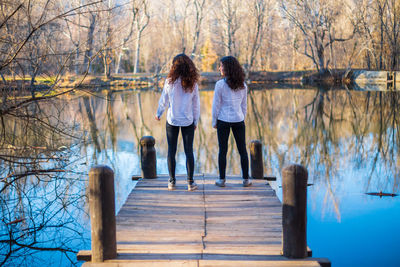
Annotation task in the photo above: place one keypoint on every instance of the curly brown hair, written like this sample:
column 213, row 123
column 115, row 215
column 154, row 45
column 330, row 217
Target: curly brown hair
column 183, row 67
column 233, row 72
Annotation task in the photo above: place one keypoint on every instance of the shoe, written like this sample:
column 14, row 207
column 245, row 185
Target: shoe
column 192, row 186
column 171, row 185
column 246, row 182
column 220, row 182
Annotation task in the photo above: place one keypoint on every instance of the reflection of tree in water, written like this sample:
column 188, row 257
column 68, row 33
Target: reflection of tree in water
column 329, row 131
column 137, row 123
column 385, row 134
column 318, row 140
column 204, row 150
column 112, row 126
column 263, row 124
column 350, row 126
column 257, row 116
column 40, row 197
column 92, row 123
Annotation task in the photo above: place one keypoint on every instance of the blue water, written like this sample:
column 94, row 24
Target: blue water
column 366, row 235
column 348, row 141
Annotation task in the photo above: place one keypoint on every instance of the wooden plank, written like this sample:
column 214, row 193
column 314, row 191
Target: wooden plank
column 252, row 231
column 144, row 259
column 212, row 226
column 188, row 234
column 133, row 237
column 241, row 225
column 126, row 256
column 225, row 257
column 161, row 248
column 202, row 263
column 242, row 239
column 216, row 263
column 145, row 263
column 243, row 250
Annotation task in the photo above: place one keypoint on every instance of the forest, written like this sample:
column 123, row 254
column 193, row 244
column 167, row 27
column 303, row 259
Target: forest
column 49, row 39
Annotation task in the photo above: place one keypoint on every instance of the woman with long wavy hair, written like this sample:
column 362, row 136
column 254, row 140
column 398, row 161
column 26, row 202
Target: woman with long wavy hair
column 181, row 96
column 228, row 112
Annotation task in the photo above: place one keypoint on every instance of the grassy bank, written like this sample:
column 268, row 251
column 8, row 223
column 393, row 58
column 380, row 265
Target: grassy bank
column 145, row 81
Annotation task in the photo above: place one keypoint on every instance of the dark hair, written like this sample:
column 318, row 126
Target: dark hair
column 233, row 72
column 183, row 67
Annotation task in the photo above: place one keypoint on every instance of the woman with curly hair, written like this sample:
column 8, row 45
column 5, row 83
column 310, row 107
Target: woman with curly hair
column 181, row 96
column 228, row 112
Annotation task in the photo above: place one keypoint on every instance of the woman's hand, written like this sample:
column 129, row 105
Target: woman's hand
column 215, row 126
column 157, row 118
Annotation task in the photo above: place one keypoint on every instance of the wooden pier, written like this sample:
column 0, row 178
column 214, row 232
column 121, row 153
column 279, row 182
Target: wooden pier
column 212, row 226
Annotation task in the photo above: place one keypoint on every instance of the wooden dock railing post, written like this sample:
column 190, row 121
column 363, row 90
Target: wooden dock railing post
column 294, row 211
column 102, row 213
column 148, row 157
column 256, row 160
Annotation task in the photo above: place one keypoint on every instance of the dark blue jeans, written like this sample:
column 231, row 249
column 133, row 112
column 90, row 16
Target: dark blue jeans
column 172, row 138
column 239, row 132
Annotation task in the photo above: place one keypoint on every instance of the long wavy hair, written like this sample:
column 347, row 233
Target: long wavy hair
column 183, row 67
column 233, row 73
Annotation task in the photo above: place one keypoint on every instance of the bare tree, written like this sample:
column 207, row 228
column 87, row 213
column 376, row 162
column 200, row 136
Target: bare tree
column 390, row 26
column 142, row 18
column 128, row 36
column 108, row 41
column 200, row 10
column 187, row 18
column 316, row 21
column 230, row 23
column 180, row 17
column 93, row 16
column 379, row 34
column 259, row 14
column 73, row 32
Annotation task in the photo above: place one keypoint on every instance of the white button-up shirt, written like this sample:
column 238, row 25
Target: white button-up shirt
column 228, row 105
column 183, row 107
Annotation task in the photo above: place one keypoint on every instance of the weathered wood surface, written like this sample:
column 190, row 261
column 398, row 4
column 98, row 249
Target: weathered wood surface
column 294, row 211
column 212, row 226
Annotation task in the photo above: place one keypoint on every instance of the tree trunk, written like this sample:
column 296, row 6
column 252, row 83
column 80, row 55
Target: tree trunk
column 89, row 42
column 321, row 57
column 117, row 64
column 139, row 36
column 76, row 68
column 108, row 52
column 381, row 41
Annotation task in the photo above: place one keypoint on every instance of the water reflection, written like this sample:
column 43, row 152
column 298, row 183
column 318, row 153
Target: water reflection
column 42, row 194
column 348, row 140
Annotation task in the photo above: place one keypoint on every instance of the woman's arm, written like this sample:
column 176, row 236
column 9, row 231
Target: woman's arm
column 243, row 105
column 163, row 102
column 196, row 105
column 216, row 107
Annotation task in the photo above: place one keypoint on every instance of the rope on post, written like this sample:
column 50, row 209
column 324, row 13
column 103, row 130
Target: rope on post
column 294, row 211
column 148, row 157
column 102, row 213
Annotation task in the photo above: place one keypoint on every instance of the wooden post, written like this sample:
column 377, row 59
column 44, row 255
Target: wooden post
column 102, row 213
column 294, row 211
column 256, row 160
column 148, row 157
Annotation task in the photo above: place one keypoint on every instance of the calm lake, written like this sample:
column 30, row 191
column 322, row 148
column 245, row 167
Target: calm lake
column 348, row 140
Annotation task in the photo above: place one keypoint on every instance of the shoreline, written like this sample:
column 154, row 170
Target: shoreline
column 147, row 81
